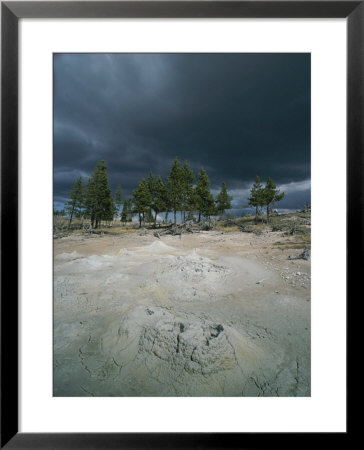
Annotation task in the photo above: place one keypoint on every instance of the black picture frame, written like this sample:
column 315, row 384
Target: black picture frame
column 11, row 12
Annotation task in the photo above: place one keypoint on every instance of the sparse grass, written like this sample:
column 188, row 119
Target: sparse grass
column 60, row 225
column 228, row 229
column 293, row 245
column 120, row 229
column 296, row 225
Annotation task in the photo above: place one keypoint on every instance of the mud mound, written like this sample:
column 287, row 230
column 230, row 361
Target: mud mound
column 192, row 346
column 190, row 278
column 156, row 247
column 68, row 256
column 153, row 350
column 123, row 251
column 196, row 268
column 79, row 264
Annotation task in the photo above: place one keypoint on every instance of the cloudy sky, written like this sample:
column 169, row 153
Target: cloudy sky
column 236, row 115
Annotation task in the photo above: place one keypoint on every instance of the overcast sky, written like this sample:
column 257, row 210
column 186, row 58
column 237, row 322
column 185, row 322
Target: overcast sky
column 236, row 115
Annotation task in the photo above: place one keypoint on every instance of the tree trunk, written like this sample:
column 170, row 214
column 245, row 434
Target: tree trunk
column 70, row 221
column 175, row 216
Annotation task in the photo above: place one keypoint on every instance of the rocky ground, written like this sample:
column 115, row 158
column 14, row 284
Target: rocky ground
column 214, row 313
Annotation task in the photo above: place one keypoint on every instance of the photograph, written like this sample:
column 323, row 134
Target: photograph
column 181, row 224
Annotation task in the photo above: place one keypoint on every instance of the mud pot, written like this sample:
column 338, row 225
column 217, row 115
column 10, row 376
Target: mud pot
column 207, row 314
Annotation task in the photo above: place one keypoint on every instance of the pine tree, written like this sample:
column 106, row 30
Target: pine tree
column 256, row 198
column 174, row 188
column 142, row 200
column 187, row 189
column 223, row 200
column 203, row 199
column 126, row 214
column 151, row 184
column 99, row 202
column 152, row 190
column 77, row 201
column 271, row 195
column 118, row 199
column 160, row 201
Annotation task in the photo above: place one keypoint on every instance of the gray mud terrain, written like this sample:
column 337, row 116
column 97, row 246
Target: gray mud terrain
column 208, row 314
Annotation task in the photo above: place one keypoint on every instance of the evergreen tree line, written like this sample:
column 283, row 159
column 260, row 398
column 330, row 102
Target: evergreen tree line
column 180, row 192
column 264, row 196
column 92, row 200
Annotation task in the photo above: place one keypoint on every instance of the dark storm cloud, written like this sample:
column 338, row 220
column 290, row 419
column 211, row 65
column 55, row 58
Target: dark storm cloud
column 237, row 115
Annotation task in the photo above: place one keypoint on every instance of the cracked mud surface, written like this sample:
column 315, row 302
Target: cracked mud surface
column 210, row 314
